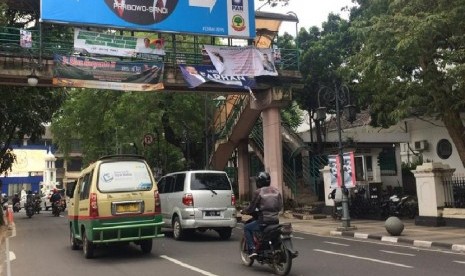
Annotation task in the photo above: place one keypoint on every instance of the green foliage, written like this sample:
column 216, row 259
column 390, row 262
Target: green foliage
column 107, row 122
column 3, row 9
column 410, row 61
column 23, row 111
column 292, row 116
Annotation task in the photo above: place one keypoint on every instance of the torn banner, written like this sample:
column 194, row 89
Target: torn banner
column 196, row 75
column 242, row 61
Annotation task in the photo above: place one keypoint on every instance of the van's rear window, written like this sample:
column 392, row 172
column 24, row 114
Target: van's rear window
column 124, row 176
column 210, row 181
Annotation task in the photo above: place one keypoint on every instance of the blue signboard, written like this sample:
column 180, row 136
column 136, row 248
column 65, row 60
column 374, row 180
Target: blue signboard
column 231, row 18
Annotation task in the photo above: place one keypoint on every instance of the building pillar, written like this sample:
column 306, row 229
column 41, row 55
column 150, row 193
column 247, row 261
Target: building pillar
column 243, row 167
column 272, row 145
column 430, row 192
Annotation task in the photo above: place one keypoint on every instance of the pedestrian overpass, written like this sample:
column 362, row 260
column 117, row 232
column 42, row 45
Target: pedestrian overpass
column 234, row 123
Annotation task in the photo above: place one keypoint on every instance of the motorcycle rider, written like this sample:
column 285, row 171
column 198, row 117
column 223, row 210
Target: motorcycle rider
column 55, row 198
column 268, row 201
column 29, row 197
column 16, row 201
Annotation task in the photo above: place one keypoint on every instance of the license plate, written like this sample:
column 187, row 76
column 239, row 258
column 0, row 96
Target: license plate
column 212, row 213
column 127, row 208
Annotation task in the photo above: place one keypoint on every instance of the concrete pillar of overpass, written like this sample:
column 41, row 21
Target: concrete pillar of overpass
column 272, row 144
column 243, row 170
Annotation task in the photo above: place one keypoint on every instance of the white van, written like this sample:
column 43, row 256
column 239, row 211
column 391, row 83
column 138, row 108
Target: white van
column 197, row 200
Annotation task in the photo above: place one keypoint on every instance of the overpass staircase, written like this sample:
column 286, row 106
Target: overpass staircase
column 302, row 180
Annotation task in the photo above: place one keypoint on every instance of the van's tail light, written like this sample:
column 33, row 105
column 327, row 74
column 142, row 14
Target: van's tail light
column 233, row 200
column 188, row 200
column 93, row 206
column 156, row 196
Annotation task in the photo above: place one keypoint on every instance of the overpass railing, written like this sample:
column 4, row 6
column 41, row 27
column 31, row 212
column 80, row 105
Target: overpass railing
column 179, row 48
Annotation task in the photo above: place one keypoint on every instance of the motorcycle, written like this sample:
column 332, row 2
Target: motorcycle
column 337, row 208
column 274, row 247
column 29, row 206
column 405, row 206
column 57, row 208
column 37, row 207
column 16, row 207
column 4, row 203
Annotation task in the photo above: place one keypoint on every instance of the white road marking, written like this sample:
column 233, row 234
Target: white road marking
column 459, row 262
column 193, row 268
column 398, row 253
column 363, row 258
column 336, row 243
column 298, row 238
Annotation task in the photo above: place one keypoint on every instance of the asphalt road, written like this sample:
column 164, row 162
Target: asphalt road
column 40, row 246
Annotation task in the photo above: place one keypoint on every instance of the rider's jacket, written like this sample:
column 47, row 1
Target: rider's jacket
column 269, row 202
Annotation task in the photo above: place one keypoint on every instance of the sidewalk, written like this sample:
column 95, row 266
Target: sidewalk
column 445, row 237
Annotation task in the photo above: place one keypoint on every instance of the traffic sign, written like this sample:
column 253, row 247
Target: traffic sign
column 148, row 139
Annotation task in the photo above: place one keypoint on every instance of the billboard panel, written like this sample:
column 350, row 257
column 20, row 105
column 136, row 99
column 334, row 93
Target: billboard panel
column 233, row 18
column 28, row 160
column 87, row 72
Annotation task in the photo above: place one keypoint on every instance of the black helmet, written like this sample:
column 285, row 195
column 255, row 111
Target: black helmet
column 263, row 179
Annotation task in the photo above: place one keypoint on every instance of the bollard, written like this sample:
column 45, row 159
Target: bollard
column 394, row 226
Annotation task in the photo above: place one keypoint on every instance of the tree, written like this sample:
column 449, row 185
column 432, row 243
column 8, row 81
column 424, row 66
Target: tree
column 411, row 61
column 23, row 112
column 107, row 122
column 323, row 62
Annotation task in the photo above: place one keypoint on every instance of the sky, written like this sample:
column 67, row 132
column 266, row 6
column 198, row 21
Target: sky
column 309, row 12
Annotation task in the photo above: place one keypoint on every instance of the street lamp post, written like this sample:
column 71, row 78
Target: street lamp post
column 339, row 95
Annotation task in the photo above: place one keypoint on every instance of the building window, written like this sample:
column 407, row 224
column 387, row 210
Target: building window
column 444, row 149
column 74, row 164
column 59, row 163
column 387, row 161
column 363, row 168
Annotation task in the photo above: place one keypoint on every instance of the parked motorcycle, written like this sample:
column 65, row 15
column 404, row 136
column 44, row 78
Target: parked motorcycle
column 337, row 208
column 404, row 206
column 274, row 247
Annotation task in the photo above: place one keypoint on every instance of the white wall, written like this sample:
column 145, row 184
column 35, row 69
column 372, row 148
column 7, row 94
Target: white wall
column 432, row 131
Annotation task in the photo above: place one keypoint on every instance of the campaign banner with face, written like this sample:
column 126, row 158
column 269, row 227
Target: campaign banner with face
column 242, row 61
column 86, row 72
column 196, row 75
column 229, row 18
column 25, row 38
column 348, row 165
column 117, row 45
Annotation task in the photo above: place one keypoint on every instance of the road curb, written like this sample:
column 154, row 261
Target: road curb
column 391, row 239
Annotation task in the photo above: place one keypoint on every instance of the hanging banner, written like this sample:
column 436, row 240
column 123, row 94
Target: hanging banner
column 196, row 75
column 229, row 18
column 348, row 165
column 88, row 72
column 333, row 171
column 117, row 45
column 25, row 38
column 242, row 61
